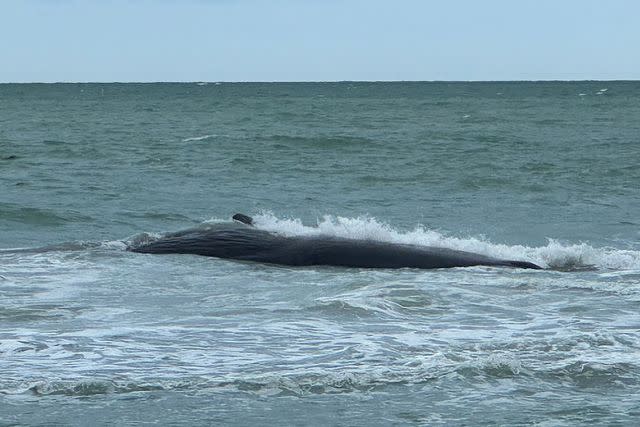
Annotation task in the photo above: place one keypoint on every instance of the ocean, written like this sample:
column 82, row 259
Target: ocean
column 546, row 172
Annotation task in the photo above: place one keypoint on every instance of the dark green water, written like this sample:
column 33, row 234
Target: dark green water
column 545, row 172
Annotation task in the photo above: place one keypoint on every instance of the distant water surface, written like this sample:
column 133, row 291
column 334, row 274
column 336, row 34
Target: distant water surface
column 544, row 172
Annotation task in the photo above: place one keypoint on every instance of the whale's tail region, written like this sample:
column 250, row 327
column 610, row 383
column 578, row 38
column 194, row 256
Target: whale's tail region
column 524, row 264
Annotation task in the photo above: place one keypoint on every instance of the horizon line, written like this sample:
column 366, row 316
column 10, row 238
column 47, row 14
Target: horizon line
column 318, row 81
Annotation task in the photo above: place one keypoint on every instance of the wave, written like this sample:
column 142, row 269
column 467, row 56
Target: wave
column 200, row 138
column 80, row 245
column 554, row 255
column 39, row 217
column 274, row 385
column 430, row 368
column 29, row 215
column 85, row 388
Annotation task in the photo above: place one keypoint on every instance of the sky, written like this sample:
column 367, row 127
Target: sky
column 318, row 40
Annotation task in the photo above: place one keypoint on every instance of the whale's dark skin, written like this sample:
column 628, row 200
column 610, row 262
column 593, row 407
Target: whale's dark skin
column 245, row 243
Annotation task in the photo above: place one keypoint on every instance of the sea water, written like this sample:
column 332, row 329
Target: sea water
column 91, row 334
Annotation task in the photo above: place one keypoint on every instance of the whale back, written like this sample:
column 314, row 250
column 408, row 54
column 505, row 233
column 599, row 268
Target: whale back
column 250, row 244
column 375, row 254
column 235, row 243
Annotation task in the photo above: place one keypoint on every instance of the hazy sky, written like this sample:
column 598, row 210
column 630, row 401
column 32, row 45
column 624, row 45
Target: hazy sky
column 309, row 40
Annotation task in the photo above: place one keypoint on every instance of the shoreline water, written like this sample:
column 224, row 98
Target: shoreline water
column 93, row 334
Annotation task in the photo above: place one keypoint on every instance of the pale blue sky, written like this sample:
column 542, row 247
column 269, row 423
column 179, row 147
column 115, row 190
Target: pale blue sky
column 318, row 40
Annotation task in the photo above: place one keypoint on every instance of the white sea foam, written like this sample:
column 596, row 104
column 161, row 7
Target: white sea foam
column 554, row 255
column 199, row 138
column 114, row 244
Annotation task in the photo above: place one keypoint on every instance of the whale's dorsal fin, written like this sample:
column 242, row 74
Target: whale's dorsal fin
column 245, row 219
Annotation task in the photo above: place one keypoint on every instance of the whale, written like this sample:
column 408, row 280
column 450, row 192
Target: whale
column 241, row 241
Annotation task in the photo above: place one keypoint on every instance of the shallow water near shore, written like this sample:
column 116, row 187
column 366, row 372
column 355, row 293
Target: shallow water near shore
column 91, row 334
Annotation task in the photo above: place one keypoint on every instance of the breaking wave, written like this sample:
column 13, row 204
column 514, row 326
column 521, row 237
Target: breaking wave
column 200, row 138
column 555, row 255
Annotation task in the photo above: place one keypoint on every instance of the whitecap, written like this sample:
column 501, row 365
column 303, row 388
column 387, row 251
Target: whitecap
column 199, row 138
